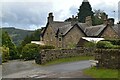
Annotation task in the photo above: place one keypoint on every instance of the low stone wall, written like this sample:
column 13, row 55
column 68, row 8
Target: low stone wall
column 108, row 58
column 49, row 55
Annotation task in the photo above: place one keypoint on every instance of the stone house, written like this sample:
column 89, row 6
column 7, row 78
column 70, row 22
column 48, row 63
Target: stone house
column 67, row 34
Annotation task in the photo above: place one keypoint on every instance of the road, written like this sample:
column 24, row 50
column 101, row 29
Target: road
column 28, row 69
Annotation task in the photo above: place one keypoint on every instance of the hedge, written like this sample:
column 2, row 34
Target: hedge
column 29, row 51
column 106, row 45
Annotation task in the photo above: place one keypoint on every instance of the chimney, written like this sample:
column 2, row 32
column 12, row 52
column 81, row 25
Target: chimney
column 105, row 18
column 111, row 21
column 50, row 17
column 73, row 20
column 88, row 20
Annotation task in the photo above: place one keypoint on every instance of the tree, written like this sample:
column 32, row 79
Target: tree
column 29, row 51
column 84, row 11
column 5, row 53
column 99, row 17
column 36, row 35
column 6, row 41
column 33, row 37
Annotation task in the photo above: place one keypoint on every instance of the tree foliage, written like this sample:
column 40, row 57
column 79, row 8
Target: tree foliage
column 99, row 17
column 17, row 35
column 5, row 53
column 29, row 51
column 104, row 45
column 84, row 11
column 33, row 37
column 6, row 41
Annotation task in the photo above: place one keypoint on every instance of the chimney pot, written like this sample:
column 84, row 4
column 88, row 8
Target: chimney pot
column 111, row 21
column 50, row 17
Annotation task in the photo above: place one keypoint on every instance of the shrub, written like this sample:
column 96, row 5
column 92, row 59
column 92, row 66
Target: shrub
column 104, row 44
column 30, row 51
column 5, row 53
column 116, row 47
column 47, row 47
column 89, row 44
column 115, row 42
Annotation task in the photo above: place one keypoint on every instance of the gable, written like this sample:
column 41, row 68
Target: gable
column 109, row 32
column 72, row 36
column 75, row 28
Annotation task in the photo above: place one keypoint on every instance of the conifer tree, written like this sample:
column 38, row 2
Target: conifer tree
column 84, row 11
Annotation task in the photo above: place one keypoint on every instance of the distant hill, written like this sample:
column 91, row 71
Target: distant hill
column 17, row 35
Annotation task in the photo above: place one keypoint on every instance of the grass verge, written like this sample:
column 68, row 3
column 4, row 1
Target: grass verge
column 101, row 73
column 72, row 59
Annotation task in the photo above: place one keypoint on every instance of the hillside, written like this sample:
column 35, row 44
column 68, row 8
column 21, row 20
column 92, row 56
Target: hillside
column 17, row 35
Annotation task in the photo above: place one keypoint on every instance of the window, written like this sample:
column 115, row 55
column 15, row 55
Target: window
column 60, row 39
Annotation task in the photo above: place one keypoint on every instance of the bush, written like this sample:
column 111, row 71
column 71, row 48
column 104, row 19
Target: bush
column 116, row 47
column 30, row 51
column 89, row 45
column 47, row 47
column 115, row 42
column 104, row 44
column 5, row 53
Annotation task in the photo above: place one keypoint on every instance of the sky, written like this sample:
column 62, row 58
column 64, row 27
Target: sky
column 32, row 14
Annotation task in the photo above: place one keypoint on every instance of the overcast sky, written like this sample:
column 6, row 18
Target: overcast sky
column 32, row 14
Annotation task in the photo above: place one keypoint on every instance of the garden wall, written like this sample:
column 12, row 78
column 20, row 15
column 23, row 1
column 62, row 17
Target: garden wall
column 108, row 58
column 49, row 55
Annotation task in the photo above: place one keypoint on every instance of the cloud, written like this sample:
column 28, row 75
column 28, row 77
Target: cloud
column 119, row 11
column 32, row 14
column 73, row 10
column 23, row 15
column 109, row 9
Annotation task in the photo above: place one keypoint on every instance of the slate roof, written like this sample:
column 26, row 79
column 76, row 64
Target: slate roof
column 65, row 29
column 91, row 31
column 58, row 25
column 94, row 30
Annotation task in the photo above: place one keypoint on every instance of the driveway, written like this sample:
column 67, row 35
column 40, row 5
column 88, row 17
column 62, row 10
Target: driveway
column 29, row 69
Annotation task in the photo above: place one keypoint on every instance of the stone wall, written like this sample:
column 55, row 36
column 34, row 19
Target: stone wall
column 108, row 58
column 49, row 55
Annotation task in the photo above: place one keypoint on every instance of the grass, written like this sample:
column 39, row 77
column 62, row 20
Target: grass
column 72, row 59
column 101, row 73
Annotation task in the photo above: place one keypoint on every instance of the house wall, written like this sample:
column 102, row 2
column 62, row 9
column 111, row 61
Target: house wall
column 49, row 37
column 72, row 37
column 109, row 33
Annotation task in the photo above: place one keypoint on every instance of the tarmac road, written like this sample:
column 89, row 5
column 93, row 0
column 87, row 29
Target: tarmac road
column 29, row 69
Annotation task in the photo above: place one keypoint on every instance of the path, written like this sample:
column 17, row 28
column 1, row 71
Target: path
column 28, row 69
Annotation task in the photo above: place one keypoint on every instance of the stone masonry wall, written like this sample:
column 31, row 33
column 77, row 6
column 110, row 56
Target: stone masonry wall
column 108, row 58
column 49, row 55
